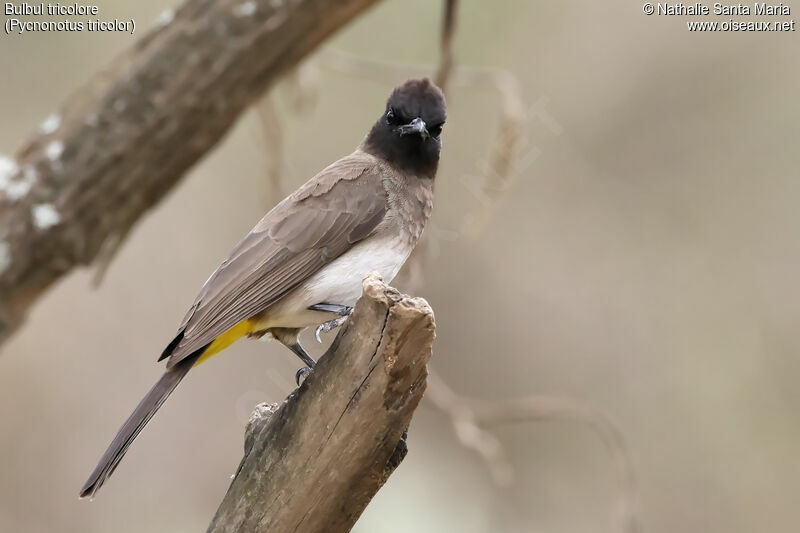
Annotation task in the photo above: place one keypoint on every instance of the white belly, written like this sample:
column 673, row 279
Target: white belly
column 339, row 282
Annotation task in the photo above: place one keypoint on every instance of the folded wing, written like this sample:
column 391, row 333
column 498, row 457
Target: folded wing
column 331, row 212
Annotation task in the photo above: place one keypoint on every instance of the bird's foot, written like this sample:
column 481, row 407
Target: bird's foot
column 341, row 310
column 302, row 374
column 327, row 326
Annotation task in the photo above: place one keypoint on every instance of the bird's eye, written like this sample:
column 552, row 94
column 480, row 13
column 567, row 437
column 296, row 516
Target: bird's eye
column 436, row 130
column 391, row 116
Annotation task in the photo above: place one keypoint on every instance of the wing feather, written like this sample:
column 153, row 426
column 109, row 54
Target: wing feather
column 331, row 212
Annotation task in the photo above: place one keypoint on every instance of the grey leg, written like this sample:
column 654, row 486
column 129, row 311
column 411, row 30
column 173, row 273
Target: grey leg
column 302, row 354
column 307, row 359
column 288, row 337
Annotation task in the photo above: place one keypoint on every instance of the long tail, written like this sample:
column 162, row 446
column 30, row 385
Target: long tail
column 134, row 424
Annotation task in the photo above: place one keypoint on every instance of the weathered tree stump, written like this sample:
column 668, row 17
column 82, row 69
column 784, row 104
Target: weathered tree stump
column 313, row 463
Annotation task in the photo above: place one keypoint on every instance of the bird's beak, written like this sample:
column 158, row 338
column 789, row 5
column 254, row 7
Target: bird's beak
column 417, row 126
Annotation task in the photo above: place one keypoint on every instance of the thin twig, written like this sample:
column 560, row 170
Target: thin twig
column 544, row 408
column 467, row 430
column 108, row 251
column 300, row 87
column 472, row 420
column 273, row 145
column 447, row 59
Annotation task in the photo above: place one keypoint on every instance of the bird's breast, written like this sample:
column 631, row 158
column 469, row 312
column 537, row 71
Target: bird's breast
column 339, row 282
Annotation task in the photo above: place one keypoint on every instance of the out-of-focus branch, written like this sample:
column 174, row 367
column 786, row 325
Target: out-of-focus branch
column 472, row 420
column 469, row 433
column 315, row 462
column 298, row 91
column 448, row 33
column 412, row 273
column 122, row 142
column 273, row 146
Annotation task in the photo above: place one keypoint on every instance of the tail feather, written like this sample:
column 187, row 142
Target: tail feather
column 134, row 424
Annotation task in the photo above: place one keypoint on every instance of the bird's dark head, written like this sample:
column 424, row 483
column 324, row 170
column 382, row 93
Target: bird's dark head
column 408, row 133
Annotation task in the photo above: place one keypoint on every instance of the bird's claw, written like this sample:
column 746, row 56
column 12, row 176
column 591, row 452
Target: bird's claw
column 302, row 373
column 327, row 326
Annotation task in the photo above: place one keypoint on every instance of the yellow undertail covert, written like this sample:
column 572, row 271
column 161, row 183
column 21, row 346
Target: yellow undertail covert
column 226, row 339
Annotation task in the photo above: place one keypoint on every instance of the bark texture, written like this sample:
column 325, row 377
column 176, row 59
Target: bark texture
column 313, row 463
column 122, row 142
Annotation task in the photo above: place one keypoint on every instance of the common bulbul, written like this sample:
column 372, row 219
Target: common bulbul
column 303, row 263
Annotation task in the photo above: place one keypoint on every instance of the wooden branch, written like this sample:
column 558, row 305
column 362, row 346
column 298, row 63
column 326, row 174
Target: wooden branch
column 314, row 463
column 121, row 143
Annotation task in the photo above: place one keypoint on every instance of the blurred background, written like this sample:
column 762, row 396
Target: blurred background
column 643, row 259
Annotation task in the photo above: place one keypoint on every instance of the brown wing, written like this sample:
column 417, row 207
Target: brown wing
column 320, row 221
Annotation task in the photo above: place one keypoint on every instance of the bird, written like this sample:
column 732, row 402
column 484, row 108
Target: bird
column 303, row 263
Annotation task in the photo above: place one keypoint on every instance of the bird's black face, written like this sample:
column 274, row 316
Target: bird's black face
column 408, row 134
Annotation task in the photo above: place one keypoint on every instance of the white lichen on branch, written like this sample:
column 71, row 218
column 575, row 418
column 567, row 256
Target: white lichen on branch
column 45, row 216
column 50, row 124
